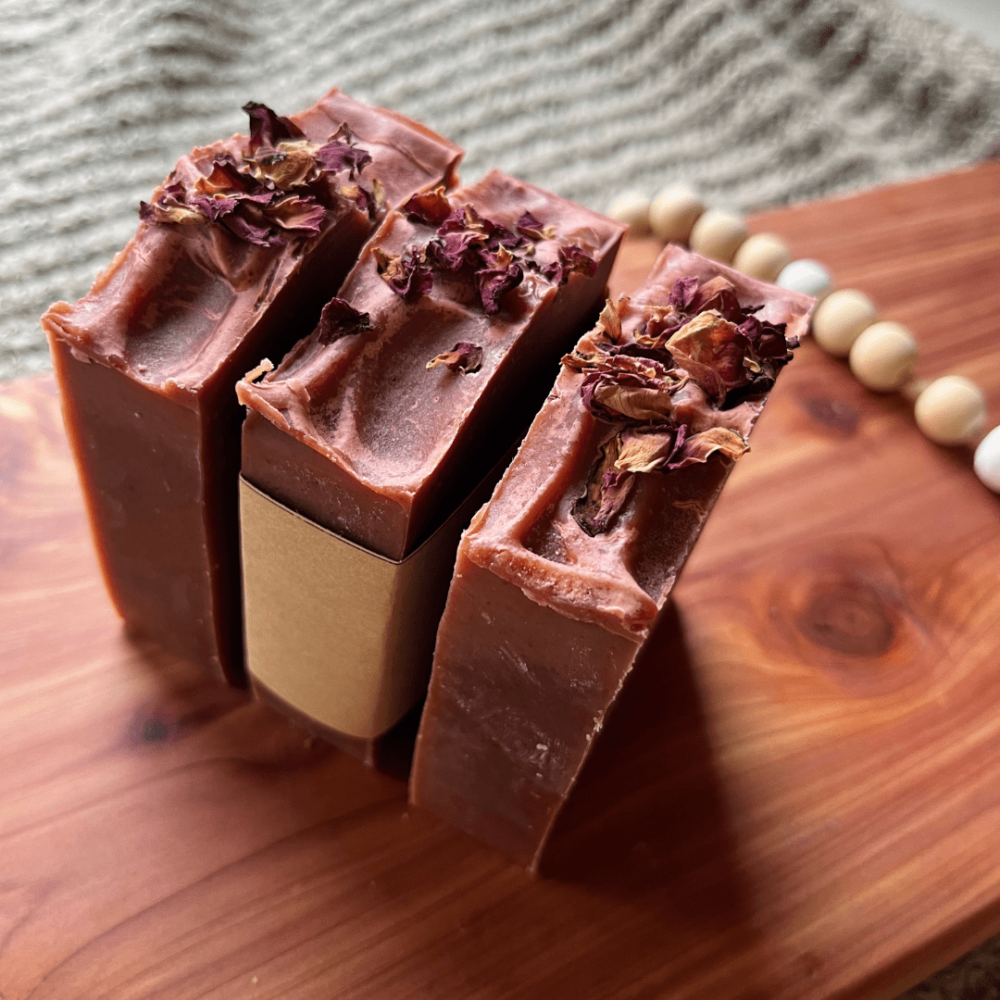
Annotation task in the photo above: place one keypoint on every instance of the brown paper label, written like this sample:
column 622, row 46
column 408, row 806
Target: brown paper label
column 342, row 634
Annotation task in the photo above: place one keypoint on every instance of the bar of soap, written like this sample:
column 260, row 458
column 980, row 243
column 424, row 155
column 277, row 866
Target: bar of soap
column 561, row 577
column 236, row 253
column 425, row 370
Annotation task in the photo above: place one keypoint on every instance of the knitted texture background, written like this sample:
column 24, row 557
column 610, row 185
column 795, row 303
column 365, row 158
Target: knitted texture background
column 755, row 101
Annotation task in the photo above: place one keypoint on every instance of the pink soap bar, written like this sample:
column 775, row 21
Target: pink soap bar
column 562, row 575
column 235, row 256
column 423, row 373
column 353, row 430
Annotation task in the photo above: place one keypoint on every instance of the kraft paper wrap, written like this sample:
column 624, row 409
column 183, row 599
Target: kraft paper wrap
column 343, row 635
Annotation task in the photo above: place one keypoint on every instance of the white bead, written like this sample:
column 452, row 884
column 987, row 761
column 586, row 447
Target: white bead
column 718, row 234
column 673, row 212
column 987, row 460
column 632, row 208
column 807, row 276
column 950, row 410
column 840, row 318
column 883, row 356
column 763, row 256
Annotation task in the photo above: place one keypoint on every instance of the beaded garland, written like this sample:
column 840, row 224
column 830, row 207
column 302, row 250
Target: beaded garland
column 881, row 354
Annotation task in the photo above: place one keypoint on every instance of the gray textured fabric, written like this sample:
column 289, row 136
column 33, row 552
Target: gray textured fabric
column 755, row 101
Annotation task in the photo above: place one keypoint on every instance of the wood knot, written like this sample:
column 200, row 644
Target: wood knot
column 846, row 608
column 847, row 618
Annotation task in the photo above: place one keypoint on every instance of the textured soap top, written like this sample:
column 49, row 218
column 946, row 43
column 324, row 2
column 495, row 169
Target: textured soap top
column 572, row 523
column 440, row 297
column 181, row 296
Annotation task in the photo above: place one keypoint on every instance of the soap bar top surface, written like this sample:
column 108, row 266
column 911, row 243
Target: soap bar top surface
column 574, row 523
column 443, row 306
column 178, row 300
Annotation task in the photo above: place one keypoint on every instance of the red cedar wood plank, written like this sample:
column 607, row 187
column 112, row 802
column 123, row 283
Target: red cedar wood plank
column 798, row 799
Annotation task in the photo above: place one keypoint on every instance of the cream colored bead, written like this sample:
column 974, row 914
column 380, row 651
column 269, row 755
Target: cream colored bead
column 840, row 318
column 807, row 276
column 883, row 356
column 718, row 234
column 632, row 208
column 673, row 212
column 763, row 256
column 987, row 460
column 950, row 410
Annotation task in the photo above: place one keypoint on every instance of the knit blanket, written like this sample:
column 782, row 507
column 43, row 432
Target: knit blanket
column 755, row 102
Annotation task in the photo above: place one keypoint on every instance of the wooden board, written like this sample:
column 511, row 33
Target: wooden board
column 798, row 798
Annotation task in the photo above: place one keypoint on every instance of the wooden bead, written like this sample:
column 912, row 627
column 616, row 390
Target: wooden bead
column 807, row 276
column 763, row 255
column 987, row 460
column 883, row 356
column 632, row 208
column 950, row 410
column 673, row 212
column 840, row 318
column 718, row 234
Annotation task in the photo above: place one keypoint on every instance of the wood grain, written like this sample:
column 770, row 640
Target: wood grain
column 797, row 797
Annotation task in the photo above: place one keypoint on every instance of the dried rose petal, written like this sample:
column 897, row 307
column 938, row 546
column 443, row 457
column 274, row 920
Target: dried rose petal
column 454, row 250
column 227, row 178
column 429, row 207
column 712, row 350
column 572, row 260
column 251, row 226
column 336, row 156
column 494, row 282
column 301, row 214
column 768, row 340
column 659, row 327
column 463, row 357
column 649, row 449
column 407, row 275
column 268, row 128
column 340, row 319
column 292, row 165
column 683, row 293
column 718, row 294
column 529, row 225
column 465, row 217
column 610, row 321
column 606, row 493
column 627, row 395
column 700, row 447
column 638, row 361
column 167, row 205
column 364, row 199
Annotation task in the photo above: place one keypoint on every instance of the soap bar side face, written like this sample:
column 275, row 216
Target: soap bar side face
column 139, row 460
column 519, row 693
